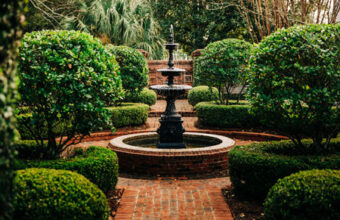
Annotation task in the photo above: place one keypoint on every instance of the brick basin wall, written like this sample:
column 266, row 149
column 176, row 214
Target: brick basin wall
column 156, row 78
column 214, row 164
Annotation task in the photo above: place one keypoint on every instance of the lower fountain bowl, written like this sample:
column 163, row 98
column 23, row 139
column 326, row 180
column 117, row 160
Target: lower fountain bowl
column 205, row 155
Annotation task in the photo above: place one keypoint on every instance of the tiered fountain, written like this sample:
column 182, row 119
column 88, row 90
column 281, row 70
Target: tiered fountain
column 172, row 151
column 171, row 129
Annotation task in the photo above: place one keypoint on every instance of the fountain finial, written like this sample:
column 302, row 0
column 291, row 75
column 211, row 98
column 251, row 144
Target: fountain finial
column 171, row 36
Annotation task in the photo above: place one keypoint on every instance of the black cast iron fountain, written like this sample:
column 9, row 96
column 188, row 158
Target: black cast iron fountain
column 171, row 129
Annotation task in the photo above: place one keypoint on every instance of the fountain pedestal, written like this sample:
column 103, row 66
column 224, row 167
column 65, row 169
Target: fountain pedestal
column 171, row 129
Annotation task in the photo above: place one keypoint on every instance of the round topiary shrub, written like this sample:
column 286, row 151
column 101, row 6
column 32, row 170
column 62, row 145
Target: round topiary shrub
column 255, row 168
column 295, row 82
column 145, row 96
column 202, row 94
column 222, row 64
column 66, row 76
column 57, row 194
column 98, row 164
column 133, row 67
column 312, row 194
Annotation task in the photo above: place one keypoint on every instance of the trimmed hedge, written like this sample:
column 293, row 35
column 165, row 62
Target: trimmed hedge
column 202, row 94
column 226, row 116
column 312, row 194
column 124, row 115
column 57, row 194
column 128, row 114
column 255, row 168
column 98, row 164
column 145, row 96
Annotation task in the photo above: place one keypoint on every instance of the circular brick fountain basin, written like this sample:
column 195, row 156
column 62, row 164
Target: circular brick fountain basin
column 208, row 160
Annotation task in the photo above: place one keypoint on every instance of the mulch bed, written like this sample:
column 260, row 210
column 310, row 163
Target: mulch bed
column 243, row 210
column 113, row 198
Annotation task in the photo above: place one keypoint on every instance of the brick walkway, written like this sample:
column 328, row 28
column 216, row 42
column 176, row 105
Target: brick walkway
column 173, row 199
column 182, row 105
column 164, row 199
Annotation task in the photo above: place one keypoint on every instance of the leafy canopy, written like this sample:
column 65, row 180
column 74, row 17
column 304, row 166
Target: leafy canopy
column 66, row 77
column 295, row 82
column 222, row 64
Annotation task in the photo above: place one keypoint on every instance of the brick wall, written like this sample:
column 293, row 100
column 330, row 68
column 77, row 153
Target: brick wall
column 156, row 78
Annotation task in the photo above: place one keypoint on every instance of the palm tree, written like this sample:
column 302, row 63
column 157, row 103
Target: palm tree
column 122, row 22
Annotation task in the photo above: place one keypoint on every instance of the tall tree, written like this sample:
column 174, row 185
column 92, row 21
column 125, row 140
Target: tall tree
column 11, row 20
column 264, row 17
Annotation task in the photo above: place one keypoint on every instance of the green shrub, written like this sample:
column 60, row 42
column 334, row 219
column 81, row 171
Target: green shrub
column 255, row 168
column 295, row 82
column 312, row 194
column 222, row 64
column 226, row 116
column 128, row 114
column 145, row 96
column 57, row 194
column 98, row 164
column 67, row 75
column 125, row 114
column 11, row 24
column 133, row 67
column 202, row 94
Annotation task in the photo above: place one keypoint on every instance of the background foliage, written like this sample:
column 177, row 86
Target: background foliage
column 119, row 22
column 11, row 21
column 198, row 22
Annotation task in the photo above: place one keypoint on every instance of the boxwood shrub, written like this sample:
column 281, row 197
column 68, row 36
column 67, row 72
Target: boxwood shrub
column 145, row 96
column 98, row 164
column 312, row 194
column 255, row 168
column 202, row 94
column 226, row 116
column 57, row 194
column 133, row 67
column 129, row 114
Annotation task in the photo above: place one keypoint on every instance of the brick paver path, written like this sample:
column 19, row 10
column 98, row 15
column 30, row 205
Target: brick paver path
column 182, row 105
column 164, row 199
column 173, row 199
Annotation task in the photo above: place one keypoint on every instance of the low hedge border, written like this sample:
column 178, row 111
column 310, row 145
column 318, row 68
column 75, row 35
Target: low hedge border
column 255, row 168
column 57, row 194
column 126, row 114
column 226, row 116
column 312, row 194
column 98, row 164
column 202, row 94
column 145, row 96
